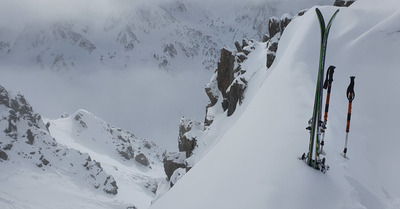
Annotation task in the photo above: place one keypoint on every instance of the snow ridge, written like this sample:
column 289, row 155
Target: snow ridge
column 27, row 143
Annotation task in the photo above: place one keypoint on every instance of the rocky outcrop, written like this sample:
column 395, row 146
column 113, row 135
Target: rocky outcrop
column 175, row 164
column 343, row 3
column 3, row 155
column 276, row 28
column 142, row 159
column 227, row 85
column 188, row 133
column 173, row 161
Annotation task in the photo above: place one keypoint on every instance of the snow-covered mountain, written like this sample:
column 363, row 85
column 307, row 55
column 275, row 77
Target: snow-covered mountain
column 250, row 159
column 172, row 34
column 80, row 40
column 78, row 157
column 245, row 153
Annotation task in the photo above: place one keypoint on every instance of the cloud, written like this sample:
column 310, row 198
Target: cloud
column 147, row 102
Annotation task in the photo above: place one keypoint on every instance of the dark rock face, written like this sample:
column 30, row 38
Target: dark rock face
column 277, row 26
column 285, row 20
column 114, row 189
column 226, row 77
column 127, row 153
column 187, row 143
column 343, row 3
column 236, row 95
column 142, row 159
column 274, row 26
column 3, row 155
column 172, row 162
column 271, row 53
column 225, row 70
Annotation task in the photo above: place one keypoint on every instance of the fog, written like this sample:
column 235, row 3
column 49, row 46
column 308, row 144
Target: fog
column 148, row 103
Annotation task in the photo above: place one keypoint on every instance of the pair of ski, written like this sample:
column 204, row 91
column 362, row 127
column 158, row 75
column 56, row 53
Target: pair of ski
column 317, row 126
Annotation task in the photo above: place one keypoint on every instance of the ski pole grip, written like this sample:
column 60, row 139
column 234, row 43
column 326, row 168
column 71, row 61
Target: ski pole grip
column 329, row 76
column 350, row 89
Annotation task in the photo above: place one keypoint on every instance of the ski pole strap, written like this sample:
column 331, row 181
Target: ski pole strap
column 329, row 76
column 350, row 90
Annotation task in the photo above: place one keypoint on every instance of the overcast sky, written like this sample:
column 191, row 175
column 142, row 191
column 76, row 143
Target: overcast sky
column 17, row 12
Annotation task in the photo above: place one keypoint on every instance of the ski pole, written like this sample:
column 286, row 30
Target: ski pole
column 350, row 96
column 328, row 86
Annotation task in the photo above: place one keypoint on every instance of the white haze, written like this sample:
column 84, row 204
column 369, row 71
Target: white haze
column 148, row 103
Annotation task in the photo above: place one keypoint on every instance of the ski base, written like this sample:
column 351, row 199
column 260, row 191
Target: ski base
column 319, row 165
column 344, row 156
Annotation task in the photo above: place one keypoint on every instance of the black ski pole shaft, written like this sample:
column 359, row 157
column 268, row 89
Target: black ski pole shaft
column 328, row 86
column 350, row 96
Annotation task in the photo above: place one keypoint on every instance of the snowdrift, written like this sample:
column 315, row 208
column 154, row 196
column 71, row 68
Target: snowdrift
column 254, row 164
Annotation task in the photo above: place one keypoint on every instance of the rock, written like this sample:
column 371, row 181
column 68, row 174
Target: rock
column 142, row 159
column 3, row 155
column 78, row 117
column 4, row 99
column 44, row 161
column 188, row 130
column 274, row 26
column 30, row 137
column 271, row 53
column 277, row 28
column 285, row 20
column 113, row 189
column 225, row 71
column 265, row 38
column 173, row 161
column 238, row 47
column 302, row 12
column 343, row 3
column 127, row 153
column 170, row 50
column 236, row 95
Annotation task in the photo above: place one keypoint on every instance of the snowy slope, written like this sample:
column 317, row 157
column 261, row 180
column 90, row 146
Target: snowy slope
column 136, row 163
column 254, row 163
column 73, row 162
column 30, row 159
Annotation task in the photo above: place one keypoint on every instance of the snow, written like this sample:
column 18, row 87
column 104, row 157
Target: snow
column 250, row 159
column 26, row 188
column 133, row 92
column 254, row 164
column 96, row 140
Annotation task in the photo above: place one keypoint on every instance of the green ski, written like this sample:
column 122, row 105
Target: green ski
column 316, row 125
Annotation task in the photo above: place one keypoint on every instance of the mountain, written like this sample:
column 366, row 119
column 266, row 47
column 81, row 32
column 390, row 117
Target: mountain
column 170, row 35
column 147, row 60
column 250, row 159
column 74, row 161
